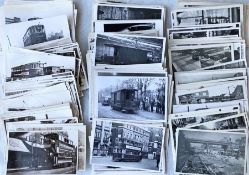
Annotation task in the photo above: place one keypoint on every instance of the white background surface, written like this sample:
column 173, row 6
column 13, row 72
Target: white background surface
column 83, row 28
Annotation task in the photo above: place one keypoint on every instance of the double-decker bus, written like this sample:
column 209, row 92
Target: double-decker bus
column 129, row 143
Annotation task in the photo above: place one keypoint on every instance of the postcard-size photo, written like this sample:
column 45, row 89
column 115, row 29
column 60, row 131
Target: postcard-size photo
column 190, row 58
column 33, row 11
column 203, row 106
column 26, row 64
column 43, row 152
column 129, row 50
column 231, row 123
column 29, row 33
column 62, row 146
column 127, row 145
column 230, row 91
column 189, row 119
column 205, row 152
column 130, row 96
column 127, row 12
column 187, row 17
column 129, row 26
column 200, row 76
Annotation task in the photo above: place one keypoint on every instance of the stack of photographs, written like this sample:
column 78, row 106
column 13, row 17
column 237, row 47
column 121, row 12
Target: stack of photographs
column 42, row 77
column 206, row 38
column 130, row 89
column 128, row 19
column 209, row 120
column 46, row 27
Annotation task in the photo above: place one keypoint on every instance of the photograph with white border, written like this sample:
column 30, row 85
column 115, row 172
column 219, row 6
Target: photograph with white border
column 207, row 15
column 204, row 152
column 29, row 33
column 188, row 58
column 129, row 27
column 118, row 49
column 131, row 96
column 230, row 91
column 43, row 152
column 238, row 122
column 30, row 64
column 127, row 12
column 183, row 120
column 127, row 145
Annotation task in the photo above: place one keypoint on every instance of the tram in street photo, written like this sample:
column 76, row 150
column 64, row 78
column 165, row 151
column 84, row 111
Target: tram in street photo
column 34, row 35
column 41, row 151
column 125, row 100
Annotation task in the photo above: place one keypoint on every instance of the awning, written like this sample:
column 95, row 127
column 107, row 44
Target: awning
column 17, row 145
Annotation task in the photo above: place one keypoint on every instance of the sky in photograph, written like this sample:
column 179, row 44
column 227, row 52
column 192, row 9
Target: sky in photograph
column 109, row 81
column 211, row 136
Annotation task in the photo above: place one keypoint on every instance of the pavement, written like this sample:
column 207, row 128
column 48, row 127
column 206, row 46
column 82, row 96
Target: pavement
column 144, row 164
column 108, row 112
column 67, row 170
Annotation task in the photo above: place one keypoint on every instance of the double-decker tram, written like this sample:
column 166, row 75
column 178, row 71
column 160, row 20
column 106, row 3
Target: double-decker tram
column 34, row 35
column 60, row 149
column 41, row 151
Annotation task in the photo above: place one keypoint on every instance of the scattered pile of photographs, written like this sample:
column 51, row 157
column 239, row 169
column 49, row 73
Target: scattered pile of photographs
column 42, row 77
column 209, row 122
column 130, row 89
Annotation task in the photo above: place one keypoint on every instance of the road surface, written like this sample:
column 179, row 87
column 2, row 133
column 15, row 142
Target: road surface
column 68, row 170
column 108, row 112
column 144, row 164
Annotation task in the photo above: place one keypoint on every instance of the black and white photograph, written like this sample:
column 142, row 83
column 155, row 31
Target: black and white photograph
column 34, row 32
column 207, row 75
column 203, row 57
column 43, row 152
column 129, row 27
column 129, row 50
column 207, row 15
column 122, row 12
column 23, row 65
column 205, row 34
column 203, row 106
column 127, row 145
column 127, row 96
column 200, row 85
column 227, row 123
column 233, row 65
column 43, row 113
column 221, row 93
column 198, row 117
column 35, row 83
column 211, row 152
column 55, row 95
column 209, row 32
column 34, row 11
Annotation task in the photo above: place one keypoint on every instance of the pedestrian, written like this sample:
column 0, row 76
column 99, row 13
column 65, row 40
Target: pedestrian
column 163, row 105
column 158, row 155
column 143, row 104
column 158, row 106
column 152, row 102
